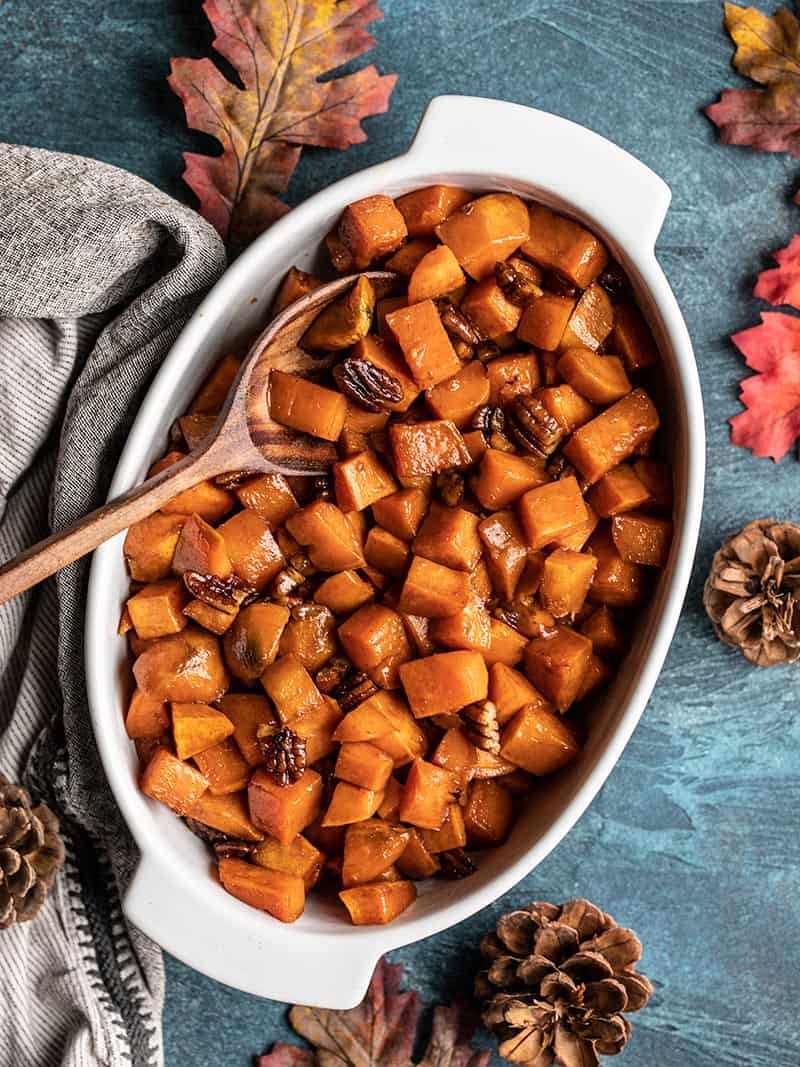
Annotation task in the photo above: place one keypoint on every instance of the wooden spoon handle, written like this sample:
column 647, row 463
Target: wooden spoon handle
column 55, row 552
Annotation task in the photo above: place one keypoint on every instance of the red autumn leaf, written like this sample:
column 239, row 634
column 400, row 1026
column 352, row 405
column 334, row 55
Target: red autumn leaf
column 280, row 49
column 379, row 1032
column 781, row 284
column 771, row 423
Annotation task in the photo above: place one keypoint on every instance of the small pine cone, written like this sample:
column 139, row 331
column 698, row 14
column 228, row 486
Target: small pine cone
column 480, row 725
column 284, row 754
column 31, row 851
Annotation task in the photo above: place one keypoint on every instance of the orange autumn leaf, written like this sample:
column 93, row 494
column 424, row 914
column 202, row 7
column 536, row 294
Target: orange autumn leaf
column 781, row 284
column 771, row 422
column 768, row 52
column 280, row 49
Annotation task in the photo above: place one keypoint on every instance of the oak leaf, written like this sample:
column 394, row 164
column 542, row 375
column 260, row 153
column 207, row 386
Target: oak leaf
column 768, row 52
column 379, row 1032
column 280, row 49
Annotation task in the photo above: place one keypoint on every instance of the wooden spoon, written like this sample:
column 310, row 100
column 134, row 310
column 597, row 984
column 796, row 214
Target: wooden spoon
column 244, row 437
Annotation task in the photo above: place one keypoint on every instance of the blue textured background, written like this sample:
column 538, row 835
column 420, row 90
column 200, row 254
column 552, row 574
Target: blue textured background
column 693, row 841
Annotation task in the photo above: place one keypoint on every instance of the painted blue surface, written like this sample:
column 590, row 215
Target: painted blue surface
column 693, row 841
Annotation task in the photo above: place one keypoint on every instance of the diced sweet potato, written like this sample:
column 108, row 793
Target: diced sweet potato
column 402, row 512
column 364, row 764
column 619, row 490
column 379, row 903
column 247, row 711
column 281, row 895
column 150, row 545
column 469, row 628
column 344, row 321
column 253, row 640
column 656, row 476
column 390, row 805
column 577, row 538
column 426, row 795
column 318, row 726
column 556, row 665
column 598, row 674
column 503, row 478
column 187, row 666
column 386, row 552
column 157, row 609
column 253, row 551
column 290, row 688
column 226, row 812
column 544, row 321
column 488, row 813
column 385, row 720
column 601, row 379
column 509, row 691
column 146, row 717
column 331, row 541
column 306, row 406
column 370, row 849
column 504, row 551
column 350, row 803
column 375, row 640
column 426, row 447
column 432, row 590
column 416, row 861
column 444, row 682
column 511, row 376
column 360, row 481
column 551, row 511
column 425, row 208
column 296, row 283
column 568, row 407
column 506, row 645
column 538, row 741
column 206, row 499
column 487, row 306
column 310, row 634
column 605, row 633
column 451, row 834
column 407, row 256
column 566, row 578
column 436, row 274
column 457, row 755
column 371, row 228
column 300, row 859
column 590, row 322
column 377, row 351
column 426, row 348
column 562, row 245
column 196, row 727
column 616, row 582
column 641, row 538
column 173, row 782
column 613, row 435
column 284, row 811
column 449, row 536
column 224, row 766
column 344, row 592
column 484, row 231
column 214, row 391
column 269, row 496
column 476, row 445
column 457, row 399
column 632, row 339
column 201, row 548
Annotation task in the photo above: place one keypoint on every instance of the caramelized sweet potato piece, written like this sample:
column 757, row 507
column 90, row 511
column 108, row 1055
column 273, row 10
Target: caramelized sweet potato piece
column 631, row 337
column 550, row 511
column 504, row 478
column 380, row 353
column 504, row 551
column 562, row 245
column 173, row 782
column 604, row 632
column 385, row 720
column 424, row 209
column 196, row 727
column 157, row 609
column 656, row 476
column 641, row 538
column 567, row 406
column 424, row 343
column 432, row 590
column 247, row 712
column 331, row 541
column 556, row 666
column 344, row 321
column 371, row 228
column 444, row 682
column 269, row 496
column 566, row 578
column 577, row 538
column 375, row 640
column 310, row 634
column 506, row 645
column 469, row 628
column 344, row 593
column 426, row 795
column 509, row 691
column 601, row 379
column 436, row 274
column 538, row 741
column 253, row 640
column 402, row 512
column 187, row 666
column 487, row 814
column 544, row 321
column 281, row 895
column 224, row 766
column 299, row 859
column 318, row 726
column 451, row 834
column 426, row 447
column 363, row 764
column 296, row 283
column 406, row 258
column 350, row 803
column 613, row 435
column 597, row 675
column 206, row 499
column 449, row 536
column 386, row 552
column 146, row 717
column 214, row 391
column 590, row 322
column 253, row 551
column 227, row 812
column 513, row 375
column 619, row 490
column 457, row 399
column 389, row 809
column 616, row 582
column 487, row 306
column 416, row 861
column 360, row 481
column 150, row 545
column 306, row 406
column 457, row 755
column 201, row 548
column 290, row 688
column 370, row 849
column 484, row 231
column 284, row 811
column 379, row 903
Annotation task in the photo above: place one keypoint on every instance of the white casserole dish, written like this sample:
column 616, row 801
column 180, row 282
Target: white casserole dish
column 321, row 960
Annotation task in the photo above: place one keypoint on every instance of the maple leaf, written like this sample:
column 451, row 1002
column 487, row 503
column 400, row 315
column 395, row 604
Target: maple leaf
column 768, row 52
column 280, row 49
column 781, row 284
column 379, row 1032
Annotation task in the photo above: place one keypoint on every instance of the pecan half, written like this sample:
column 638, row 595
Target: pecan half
column 480, row 725
column 533, row 427
column 517, row 288
column 233, row 849
column 284, row 754
column 558, row 285
column 489, row 418
column 224, row 594
column 369, row 386
column 329, row 677
column 486, row 351
column 455, row 864
column 458, row 324
column 614, row 280
column 450, row 487
column 355, row 689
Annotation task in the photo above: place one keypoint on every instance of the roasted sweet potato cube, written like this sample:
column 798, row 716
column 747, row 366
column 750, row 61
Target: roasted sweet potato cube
column 566, row 578
column 556, row 665
column 591, row 320
column 390, row 805
column 616, row 581
column 613, row 436
column 386, row 552
column 351, row 803
column 487, row 306
column 201, row 548
column 284, row 811
column 253, row 640
column 605, row 633
column 208, row 500
column 426, row 348
column 641, row 538
column 214, row 391
column 538, row 741
column 598, row 674
column 269, row 496
column 632, row 339
column 310, row 634
column 457, row 399
column 150, row 545
column 506, row 645
column 476, row 445
column 451, row 834
column 247, row 711
column 568, row 407
column 317, row 726
column 379, row 903
column 577, row 538
column 384, row 307
column 344, row 592
column 509, row 691
column 619, row 490
column 432, row 590
column 457, row 755
column 504, row 551
column 407, row 256
column 485, row 230
column 402, row 512
column 224, row 766
column 197, row 727
column 425, row 208
column 360, row 481
column 426, row 795
column 371, row 228
column 469, row 628
column 436, row 274
column 187, row 666
column 385, row 720
column 157, row 609
column 513, row 375
column 481, row 582
column 364, row 764
column 420, row 448
column 173, row 782
column 227, row 812
column 331, row 541
column 290, row 688
column 344, row 321
column 444, row 682
column 300, row 859
column 449, row 536
column 146, row 717
column 416, row 861
column 488, row 813
column 253, row 551
column 503, row 478
column 601, row 379
column 380, row 353
column 551, row 511
column 306, row 406
column 296, row 283
column 281, row 895
column 370, row 849
column 562, row 245
column 375, row 640
column 656, row 476
column 544, row 321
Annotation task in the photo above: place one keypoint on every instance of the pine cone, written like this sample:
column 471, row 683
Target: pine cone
column 752, row 592
column 31, row 852
column 558, row 981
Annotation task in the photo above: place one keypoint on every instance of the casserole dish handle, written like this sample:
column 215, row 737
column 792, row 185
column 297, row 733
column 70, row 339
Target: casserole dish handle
column 567, row 164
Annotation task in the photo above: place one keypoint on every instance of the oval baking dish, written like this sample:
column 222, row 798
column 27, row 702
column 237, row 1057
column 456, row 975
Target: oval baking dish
column 482, row 145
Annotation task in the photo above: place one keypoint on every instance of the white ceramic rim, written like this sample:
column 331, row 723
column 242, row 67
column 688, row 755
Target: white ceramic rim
column 626, row 202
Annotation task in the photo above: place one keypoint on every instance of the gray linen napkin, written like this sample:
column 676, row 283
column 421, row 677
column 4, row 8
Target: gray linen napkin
column 98, row 273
